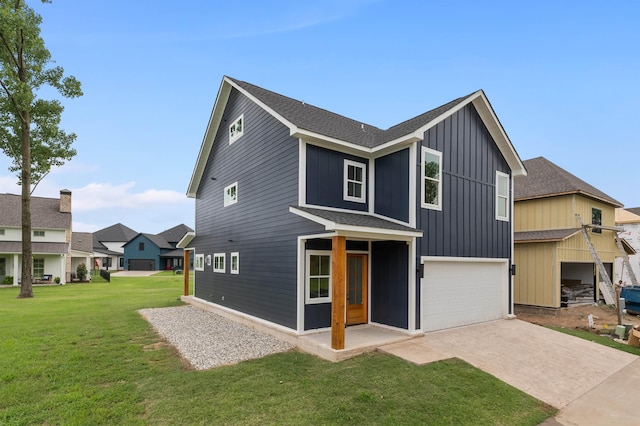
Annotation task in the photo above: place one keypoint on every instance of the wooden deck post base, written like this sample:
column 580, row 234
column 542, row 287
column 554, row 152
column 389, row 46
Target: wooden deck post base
column 338, row 278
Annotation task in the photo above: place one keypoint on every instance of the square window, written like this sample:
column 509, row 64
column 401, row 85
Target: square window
column 235, row 263
column 431, row 179
column 199, row 262
column 502, row 196
column 354, row 181
column 231, row 194
column 218, row 262
column 236, row 129
column 318, row 277
column 596, row 219
column 1, row 231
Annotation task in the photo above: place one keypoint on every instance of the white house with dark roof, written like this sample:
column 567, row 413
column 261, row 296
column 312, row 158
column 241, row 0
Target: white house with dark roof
column 108, row 246
column 307, row 220
column 51, row 238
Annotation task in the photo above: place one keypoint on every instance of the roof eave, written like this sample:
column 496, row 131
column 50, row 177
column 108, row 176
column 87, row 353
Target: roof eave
column 577, row 192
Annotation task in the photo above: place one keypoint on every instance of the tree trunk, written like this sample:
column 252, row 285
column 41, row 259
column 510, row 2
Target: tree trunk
column 26, row 289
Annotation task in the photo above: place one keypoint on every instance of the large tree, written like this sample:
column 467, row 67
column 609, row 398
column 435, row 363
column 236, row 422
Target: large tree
column 29, row 126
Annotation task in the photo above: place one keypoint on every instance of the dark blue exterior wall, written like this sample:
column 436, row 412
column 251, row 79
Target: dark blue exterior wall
column 325, row 178
column 264, row 162
column 392, row 185
column 389, row 278
column 151, row 251
column 466, row 226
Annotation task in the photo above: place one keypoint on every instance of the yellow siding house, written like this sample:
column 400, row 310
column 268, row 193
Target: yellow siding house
column 554, row 266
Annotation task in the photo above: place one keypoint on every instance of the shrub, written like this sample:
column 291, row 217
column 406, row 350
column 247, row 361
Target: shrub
column 57, row 280
column 81, row 270
column 7, row 280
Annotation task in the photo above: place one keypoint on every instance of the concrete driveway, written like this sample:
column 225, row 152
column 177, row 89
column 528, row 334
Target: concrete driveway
column 561, row 370
column 134, row 273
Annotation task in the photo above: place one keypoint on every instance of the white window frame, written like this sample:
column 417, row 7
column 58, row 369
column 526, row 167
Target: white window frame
column 217, row 265
column 33, row 266
column 40, row 233
column 308, row 276
column 230, row 199
column 423, row 179
column 199, row 262
column 505, row 197
column 363, row 183
column 234, row 134
column 1, row 231
column 234, row 269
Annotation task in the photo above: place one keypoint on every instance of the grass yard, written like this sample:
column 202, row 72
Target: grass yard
column 603, row 340
column 81, row 354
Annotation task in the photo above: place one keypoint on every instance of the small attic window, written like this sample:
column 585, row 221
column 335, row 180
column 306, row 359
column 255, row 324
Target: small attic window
column 236, row 129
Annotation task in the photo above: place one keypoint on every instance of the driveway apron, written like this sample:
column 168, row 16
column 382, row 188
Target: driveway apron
column 553, row 367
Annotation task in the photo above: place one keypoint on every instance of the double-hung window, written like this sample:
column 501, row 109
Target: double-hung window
column 199, row 262
column 236, row 129
column 318, row 276
column 354, row 181
column 502, row 196
column 38, row 267
column 235, row 263
column 431, row 179
column 231, row 194
column 218, row 262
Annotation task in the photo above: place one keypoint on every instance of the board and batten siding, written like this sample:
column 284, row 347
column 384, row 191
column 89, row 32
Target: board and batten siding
column 151, row 251
column 538, row 279
column 389, row 288
column 264, row 162
column 392, row 185
column 325, row 178
column 466, row 226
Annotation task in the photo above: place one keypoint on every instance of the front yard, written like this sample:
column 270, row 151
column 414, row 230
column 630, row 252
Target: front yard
column 81, row 354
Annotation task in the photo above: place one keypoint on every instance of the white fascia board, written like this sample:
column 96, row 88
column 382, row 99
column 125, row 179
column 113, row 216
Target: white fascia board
column 488, row 116
column 184, row 242
column 329, row 142
column 463, row 259
column 324, row 222
column 352, row 229
column 209, row 136
column 398, row 144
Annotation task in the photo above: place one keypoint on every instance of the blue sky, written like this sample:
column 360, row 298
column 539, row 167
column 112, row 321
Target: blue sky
column 562, row 77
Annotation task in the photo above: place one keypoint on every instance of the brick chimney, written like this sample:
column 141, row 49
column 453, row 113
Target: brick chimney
column 65, row 201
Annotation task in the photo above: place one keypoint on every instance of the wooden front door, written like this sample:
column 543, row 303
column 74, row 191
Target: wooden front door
column 357, row 300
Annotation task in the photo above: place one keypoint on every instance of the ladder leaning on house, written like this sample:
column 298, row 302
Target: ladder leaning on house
column 607, row 290
column 625, row 261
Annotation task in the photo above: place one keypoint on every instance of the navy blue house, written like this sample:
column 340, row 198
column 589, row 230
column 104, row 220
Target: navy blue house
column 155, row 252
column 420, row 214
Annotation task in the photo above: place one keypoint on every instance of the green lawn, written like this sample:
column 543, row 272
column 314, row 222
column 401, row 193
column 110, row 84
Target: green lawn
column 603, row 340
column 81, row 354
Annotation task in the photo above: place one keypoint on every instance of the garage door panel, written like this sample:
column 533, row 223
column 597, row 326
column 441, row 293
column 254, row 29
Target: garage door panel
column 142, row 264
column 457, row 293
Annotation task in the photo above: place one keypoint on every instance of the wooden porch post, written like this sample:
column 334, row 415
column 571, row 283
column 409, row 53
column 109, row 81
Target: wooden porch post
column 186, row 271
column 338, row 278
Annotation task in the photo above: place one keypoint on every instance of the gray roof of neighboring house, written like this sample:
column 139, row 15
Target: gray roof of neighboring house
column 356, row 219
column 36, row 248
column 175, row 234
column 549, row 235
column 45, row 212
column 82, row 241
column 173, row 253
column 545, row 179
column 327, row 123
column 159, row 240
column 113, row 233
column 634, row 210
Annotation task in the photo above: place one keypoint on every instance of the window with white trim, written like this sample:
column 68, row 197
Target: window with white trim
column 218, row 262
column 431, row 179
column 199, row 262
column 231, row 194
column 235, row 263
column 318, row 276
column 38, row 233
column 354, row 181
column 502, row 196
column 38, row 267
column 236, row 129
column 1, row 231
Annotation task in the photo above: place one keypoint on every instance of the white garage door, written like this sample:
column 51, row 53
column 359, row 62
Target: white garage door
column 456, row 293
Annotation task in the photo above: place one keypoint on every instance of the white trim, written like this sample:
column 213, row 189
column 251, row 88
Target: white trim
column 372, row 185
column 412, row 285
column 230, row 199
column 238, row 134
column 463, row 259
column 511, row 259
column 186, row 239
column 198, row 262
column 301, row 284
column 302, row 172
column 413, row 162
column 345, row 182
column 328, row 142
column 307, row 277
column 218, row 256
column 235, row 270
column 499, row 175
column 423, row 203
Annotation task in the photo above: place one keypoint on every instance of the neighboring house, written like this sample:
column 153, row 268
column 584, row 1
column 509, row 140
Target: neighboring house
column 552, row 257
column 81, row 252
column 148, row 252
column 108, row 246
column 629, row 221
column 295, row 203
column 51, row 237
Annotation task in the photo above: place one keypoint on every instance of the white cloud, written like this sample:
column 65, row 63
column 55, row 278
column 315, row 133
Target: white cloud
column 98, row 196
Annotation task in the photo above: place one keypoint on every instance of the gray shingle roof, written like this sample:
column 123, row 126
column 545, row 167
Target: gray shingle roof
column 634, row 210
column 159, row 240
column 175, row 234
column 545, row 179
column 356, row 219
column 45, row 212
column 113, row 233
column 546, row 235
column 173, row 253
column 36, row 248
column 327, row 123
column 82, row 241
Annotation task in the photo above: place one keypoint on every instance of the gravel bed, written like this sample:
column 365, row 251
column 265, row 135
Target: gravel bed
column 208, row 340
